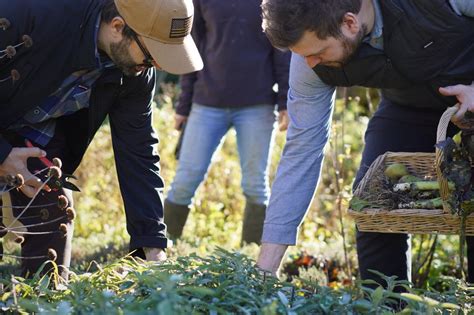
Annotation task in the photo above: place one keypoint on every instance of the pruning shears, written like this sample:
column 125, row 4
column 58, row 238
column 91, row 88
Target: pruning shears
column 56, row 183
column 63, row 182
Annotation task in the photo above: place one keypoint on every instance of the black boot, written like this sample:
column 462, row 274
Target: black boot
column 254, row 215
column 175, row 218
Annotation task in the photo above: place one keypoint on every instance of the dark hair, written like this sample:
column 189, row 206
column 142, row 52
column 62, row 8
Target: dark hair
column 285, row 21
column 109, row 11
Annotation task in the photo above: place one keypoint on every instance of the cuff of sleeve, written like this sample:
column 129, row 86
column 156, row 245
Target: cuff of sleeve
column 280, row 234
column 137, row 242
column 5, row 149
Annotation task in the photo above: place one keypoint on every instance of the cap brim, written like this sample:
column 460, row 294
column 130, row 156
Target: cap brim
column 174, row 58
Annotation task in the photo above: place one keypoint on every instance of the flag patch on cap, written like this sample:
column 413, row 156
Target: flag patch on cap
column 180, row 27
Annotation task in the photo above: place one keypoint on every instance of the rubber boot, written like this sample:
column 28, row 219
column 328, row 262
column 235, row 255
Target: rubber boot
column 254, row 215
column 175, row 218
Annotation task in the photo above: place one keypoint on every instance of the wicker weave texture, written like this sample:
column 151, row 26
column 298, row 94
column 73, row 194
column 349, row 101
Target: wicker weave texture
column 410, row 222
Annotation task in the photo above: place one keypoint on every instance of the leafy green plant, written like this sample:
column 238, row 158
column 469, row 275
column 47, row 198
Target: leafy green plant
column 200, row 278
column 221, row 283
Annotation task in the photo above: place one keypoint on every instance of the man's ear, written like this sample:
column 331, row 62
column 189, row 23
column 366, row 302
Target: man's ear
column 117, row 25
column 350, row 24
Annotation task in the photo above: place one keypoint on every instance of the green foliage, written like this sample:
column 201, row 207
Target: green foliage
column 359, row 204
column 199, row 278
column 221, row 283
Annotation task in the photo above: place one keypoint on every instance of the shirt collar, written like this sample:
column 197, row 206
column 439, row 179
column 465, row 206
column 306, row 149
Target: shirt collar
column 102, row 60
column 375, row 38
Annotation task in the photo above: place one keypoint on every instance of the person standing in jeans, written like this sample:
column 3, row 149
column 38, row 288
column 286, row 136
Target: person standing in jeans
column 235, row 89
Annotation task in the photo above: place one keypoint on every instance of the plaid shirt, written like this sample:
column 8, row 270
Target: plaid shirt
column 39, row 124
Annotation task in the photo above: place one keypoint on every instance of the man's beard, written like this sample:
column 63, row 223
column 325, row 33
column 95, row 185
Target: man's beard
column 122, row 59
column 350, row 47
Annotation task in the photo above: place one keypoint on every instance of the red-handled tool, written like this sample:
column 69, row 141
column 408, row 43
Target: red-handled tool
column 45, row 161
column 58, row 183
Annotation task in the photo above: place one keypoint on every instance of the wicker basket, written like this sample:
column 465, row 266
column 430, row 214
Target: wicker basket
column 437, row 221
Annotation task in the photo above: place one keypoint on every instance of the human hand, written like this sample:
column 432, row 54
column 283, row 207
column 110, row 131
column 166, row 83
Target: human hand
column 179, row 120
column 283, row 120
column 465, row 96
column 16, row 163
column 270, row 257
column 154, row 254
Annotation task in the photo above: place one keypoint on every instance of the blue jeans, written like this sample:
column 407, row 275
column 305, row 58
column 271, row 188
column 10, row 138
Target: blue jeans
column 204, row 133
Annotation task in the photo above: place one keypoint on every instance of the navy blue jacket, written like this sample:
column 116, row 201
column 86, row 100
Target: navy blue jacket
column 62, row 33
column 240, row 64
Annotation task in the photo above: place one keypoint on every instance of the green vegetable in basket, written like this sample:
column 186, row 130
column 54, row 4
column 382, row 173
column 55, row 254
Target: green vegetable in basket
column 435, row 203
column 395, row 171
column 419, row 186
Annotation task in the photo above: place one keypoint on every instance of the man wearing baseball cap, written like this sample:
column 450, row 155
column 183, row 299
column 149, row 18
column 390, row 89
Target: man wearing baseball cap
column 65, row 65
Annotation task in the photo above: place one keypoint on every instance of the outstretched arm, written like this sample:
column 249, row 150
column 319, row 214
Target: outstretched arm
column 464, row 93
column 310, row 104
column 134, row 142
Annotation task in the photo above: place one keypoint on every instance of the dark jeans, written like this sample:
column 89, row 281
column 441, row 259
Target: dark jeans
column 398, row 129
column 42, row 219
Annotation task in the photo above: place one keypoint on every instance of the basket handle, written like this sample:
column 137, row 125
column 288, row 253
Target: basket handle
column 368, row 175
column 444, row 122
column 441, row 136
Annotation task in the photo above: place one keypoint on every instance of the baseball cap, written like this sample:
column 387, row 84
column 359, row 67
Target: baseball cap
column 165, row 27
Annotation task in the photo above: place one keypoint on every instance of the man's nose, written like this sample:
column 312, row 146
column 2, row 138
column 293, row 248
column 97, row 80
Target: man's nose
column 312, row 61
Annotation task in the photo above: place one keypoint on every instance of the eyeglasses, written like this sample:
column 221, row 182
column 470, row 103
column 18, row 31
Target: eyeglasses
column 148, row 61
